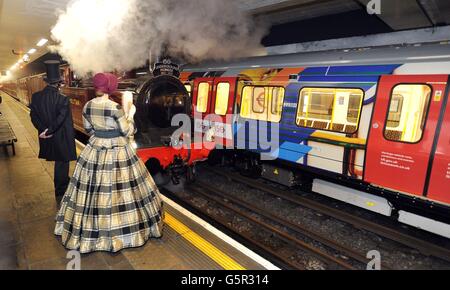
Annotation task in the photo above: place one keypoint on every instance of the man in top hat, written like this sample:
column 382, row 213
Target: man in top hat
column 52, row 116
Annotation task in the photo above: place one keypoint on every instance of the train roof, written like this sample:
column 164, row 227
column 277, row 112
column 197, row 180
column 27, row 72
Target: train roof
column 365, row 56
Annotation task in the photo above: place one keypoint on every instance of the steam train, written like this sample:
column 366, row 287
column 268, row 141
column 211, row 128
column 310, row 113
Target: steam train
column 369, row 127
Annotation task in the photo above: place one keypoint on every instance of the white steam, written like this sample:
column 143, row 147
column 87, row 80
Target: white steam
column 106, row 35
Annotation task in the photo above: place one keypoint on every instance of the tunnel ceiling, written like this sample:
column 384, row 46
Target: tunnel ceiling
column 292, row 21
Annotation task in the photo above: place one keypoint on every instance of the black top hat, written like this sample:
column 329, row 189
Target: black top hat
column 53, row 72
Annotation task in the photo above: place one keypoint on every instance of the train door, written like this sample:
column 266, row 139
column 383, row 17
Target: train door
column 212, row 106
column 222, row 104
column 403, row 130
column 201, row 103
column 439, row 184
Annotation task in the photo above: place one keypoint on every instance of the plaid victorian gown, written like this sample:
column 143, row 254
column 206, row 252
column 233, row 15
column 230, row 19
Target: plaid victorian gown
column 112, row 202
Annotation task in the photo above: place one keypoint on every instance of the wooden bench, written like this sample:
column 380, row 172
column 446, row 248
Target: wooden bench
column 7, row 136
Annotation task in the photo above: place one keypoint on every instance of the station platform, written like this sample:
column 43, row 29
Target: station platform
column 28, row 209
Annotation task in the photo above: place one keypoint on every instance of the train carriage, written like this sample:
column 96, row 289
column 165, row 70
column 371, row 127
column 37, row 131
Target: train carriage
column 375, row 121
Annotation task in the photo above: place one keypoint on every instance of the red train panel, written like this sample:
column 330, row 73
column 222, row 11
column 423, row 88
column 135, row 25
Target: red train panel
column 392, row 162
column 220, row 103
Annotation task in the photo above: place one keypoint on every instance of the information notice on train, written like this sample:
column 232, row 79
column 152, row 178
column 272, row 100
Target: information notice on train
column 399, row 161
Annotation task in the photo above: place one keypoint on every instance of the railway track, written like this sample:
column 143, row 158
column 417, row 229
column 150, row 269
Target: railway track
column 259, row 220
column 424, row 247
column 292, row 232
column 301, row 231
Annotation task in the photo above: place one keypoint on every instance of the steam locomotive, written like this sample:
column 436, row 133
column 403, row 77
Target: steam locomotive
column 369, row 127
column 158, row 97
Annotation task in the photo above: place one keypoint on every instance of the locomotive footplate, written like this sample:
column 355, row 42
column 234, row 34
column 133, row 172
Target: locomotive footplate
column 174, row 161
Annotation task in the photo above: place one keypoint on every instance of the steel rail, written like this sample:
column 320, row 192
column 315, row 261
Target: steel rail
column 250, row 241
column 425, row 247
column 297, row 228
column 305, row 247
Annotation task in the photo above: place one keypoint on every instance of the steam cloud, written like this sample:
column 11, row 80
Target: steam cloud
column 106, row 35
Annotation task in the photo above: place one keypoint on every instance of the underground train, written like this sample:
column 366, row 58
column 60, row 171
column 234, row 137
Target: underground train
column 369, row 127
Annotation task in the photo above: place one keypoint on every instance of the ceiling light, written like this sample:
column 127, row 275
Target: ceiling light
column 20, row 61
column 33, row 50
column 42, row 42
column 26, row 58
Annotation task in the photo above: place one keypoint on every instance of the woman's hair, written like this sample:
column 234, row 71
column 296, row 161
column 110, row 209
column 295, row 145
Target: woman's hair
column 99, row 93
column 105, row 83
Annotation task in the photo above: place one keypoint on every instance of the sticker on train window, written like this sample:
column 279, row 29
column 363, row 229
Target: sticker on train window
column 407, row 113
column 330, row 109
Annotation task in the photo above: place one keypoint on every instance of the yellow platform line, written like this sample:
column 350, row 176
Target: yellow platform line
column 204, row 246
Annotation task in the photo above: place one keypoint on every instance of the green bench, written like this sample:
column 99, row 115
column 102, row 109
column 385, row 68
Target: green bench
column 7, row 136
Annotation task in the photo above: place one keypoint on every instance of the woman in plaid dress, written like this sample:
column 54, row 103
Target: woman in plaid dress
column 112, row 202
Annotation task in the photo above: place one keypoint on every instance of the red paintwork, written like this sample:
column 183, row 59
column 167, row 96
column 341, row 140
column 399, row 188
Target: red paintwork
column 412, row 180
column 214, row 82
column 166, row 155
column 439, row 188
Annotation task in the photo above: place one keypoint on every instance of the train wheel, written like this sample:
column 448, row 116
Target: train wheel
column 250, row 168
column 191, row 174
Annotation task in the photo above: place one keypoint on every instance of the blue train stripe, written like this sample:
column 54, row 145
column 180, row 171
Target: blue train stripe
column 363, row 70
column 295, row 147
column 350, row 70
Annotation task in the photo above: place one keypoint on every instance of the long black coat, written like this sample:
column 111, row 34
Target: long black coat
column 51, row 110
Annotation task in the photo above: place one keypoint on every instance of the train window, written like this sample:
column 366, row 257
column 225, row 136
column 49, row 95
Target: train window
column 330, row 109
column 354, row 106
column 407, row 113
column 203, row 97
column 222, row 98
column 262, row 103
column 277, row 100
column 246, row 103
column 259, row 100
